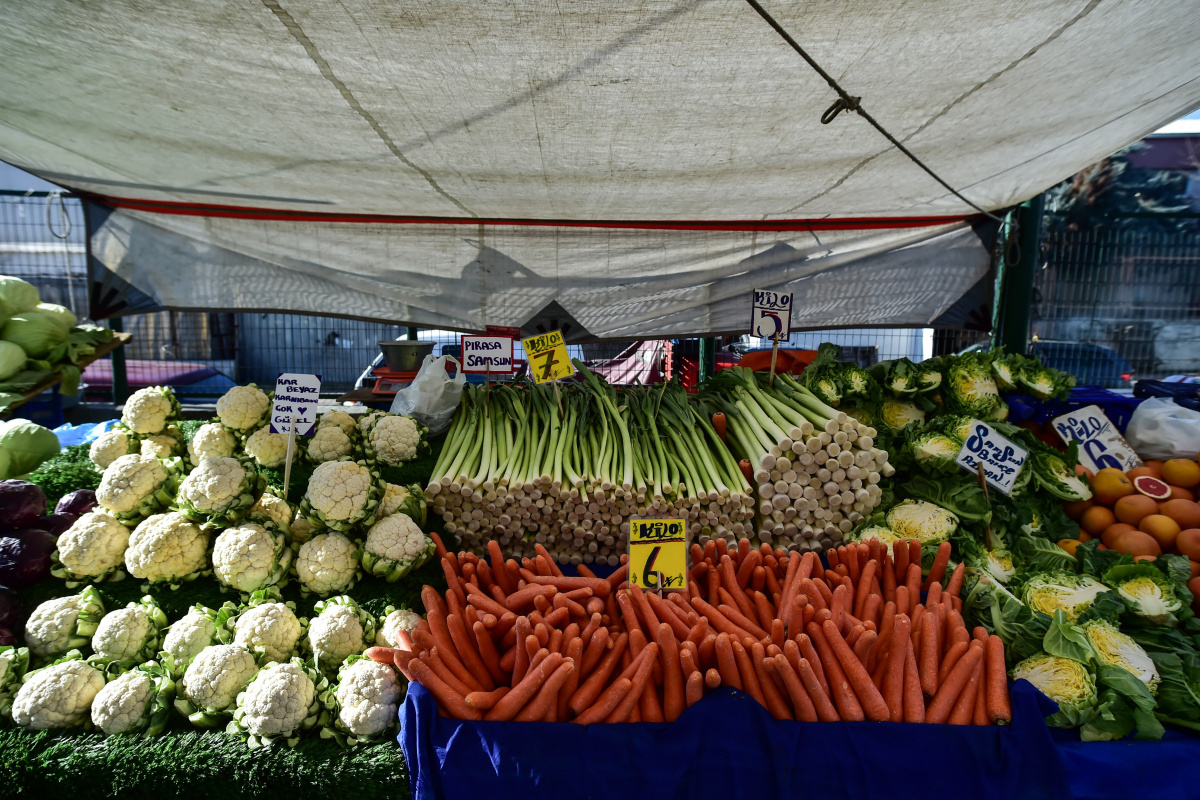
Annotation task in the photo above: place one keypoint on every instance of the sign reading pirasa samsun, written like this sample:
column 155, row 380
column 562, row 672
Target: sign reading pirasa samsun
column 487, row 354
column 296, row 396
column 1001, row 458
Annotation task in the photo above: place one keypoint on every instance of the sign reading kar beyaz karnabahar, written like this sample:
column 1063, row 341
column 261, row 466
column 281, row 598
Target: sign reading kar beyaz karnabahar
column 296, row 396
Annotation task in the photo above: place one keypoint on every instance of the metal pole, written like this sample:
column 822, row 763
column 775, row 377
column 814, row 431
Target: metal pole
column 708, row 356
column 120, row 379
column 412, row 334
column 1018, row 280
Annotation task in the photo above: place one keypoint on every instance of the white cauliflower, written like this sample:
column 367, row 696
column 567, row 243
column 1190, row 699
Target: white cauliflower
column 409, row 499
column 268, row 449
column 109, row 446
column 341, row 629
column 269, row 629
column 139, row 700
column 243, row 407
column 167, row 548
column 220, row 491
column 163, row 445
column 58, row 696
column 211, row 440
column 186, row 637
column 400, row 619
column 368, row 697
column 339, row 419
column 92, row 548
column 328, row 444
column 63, row 624
column 341, row 494
column 394, row 439
column 130, row 635
column 251, row 556
column 281, row 701
column 395, row 546
column 365, row 420
column 301, row 529
column 274, row 508
column 148, row 410
column 134, row 486
column 326, row 564
column 212, row 682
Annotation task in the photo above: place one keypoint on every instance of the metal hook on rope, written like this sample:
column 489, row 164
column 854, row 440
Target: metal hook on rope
column 844, row 103
column 63, row 216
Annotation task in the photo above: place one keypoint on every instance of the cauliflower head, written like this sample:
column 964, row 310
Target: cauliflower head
column 139, row 700
column 395, row 546
column 111, row 445
column 408, row 499
column 211, row 440
column 243, row 408
column 167, row 548
column 212, row 682
column 186, row 637
column 269, row 629
column 275, row 509
column 134, row 487
column 167, row 444
column 339, row 419
column 394, row 439
column 282, row 700
column 93, row 548
column 330, row 443
column 149, row 410
column 268, row 449
column 251, row 556
column 341, row 494
column 341, row 629
column 220, row 491
column 327, row 563
column 63, row 624
column 301, row 529
column 366, row 420
column 58, row 696
column 130, row 636
column 400, row 619
column 368, row 697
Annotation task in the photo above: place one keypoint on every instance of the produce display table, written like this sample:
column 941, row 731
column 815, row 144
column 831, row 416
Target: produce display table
column 102, row 350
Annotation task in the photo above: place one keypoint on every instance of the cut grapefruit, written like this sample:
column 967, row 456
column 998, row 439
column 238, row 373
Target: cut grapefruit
column 1152, row 487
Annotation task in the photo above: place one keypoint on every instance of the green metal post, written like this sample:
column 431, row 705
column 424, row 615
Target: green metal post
column 708, row 356
column 120, row 379
column 412, row 334
column 1017, row 290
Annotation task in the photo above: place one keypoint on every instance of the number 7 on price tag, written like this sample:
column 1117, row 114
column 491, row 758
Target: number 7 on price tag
column 548, row 358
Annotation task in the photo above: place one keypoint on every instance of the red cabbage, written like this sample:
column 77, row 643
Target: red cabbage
column 7, row 637
column 12, row 614
column 25, row 557
column 55, row 524
column 78, row 502
column 21, row 504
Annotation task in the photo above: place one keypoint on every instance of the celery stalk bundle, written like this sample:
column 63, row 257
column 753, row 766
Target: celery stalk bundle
column 522, row 465
column 816, row 469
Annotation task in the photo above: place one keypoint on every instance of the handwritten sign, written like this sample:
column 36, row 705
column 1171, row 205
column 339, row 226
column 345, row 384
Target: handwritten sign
column 1100, row 443
column 1001, row 459
column 547, row 356
column 771, row 315
column 658, row 546
column 487, row 354
column 295, row 395
column 510, row 331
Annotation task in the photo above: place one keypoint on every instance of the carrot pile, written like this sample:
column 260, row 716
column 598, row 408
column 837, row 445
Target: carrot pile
column 520, row 641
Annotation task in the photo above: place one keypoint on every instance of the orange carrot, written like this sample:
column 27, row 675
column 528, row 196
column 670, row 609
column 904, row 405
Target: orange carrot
column 718, row 423
column 826, row 712
column 574, row 653
column 869, row 697
column 694, row 690
column 564, row 584
column 979, row 715
column 546, row 698
column 605, row 703
column 523, row 598
column 915, row 556
column 765, row 614
column 873, row 608
column 384, row 655
column 851, row 561
column 774, row 701
column 929, row 654
column 956, row 651
column 939, row 710
column 726, row 664
column 746, row 568
column 645, row 613
column 914, row 703
column 999, row 707
column 485, row 701
column 900, row 559
column 730, row 582
column 887, row 627
column 743, row 550
column 593, row 650
column 668, row 613
column 889, row 579
column 402, row 660
column 963, row 710
column 863, row 646
column 640, row 684
column 748, row 625
column 848, row 706
column 954, row 585
column 718, row 620
column 902, row 600
column 708, row 651
column 864, row 588
column 674, row 701
column 448, row 699
column 933, row 594
column 893, row 681
column 802, row 704
column 748, row 675
column 488, row 654
column 937, row 572
column 586, row 694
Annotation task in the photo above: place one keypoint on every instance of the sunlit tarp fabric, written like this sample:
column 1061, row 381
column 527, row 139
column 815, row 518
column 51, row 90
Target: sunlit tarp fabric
column 291, row 117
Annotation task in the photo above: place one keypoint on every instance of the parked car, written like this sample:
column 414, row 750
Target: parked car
column 1091, row 364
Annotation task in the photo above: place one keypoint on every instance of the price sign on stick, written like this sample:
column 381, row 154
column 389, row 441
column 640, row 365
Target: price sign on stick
column 487, row 355
column 294, row 411
column 547, row 357
column 771, row 315
column 1000, row 458
column 1100, row 443
column 658, row 549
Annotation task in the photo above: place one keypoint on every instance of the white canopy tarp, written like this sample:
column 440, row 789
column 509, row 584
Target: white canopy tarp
column 299, row 115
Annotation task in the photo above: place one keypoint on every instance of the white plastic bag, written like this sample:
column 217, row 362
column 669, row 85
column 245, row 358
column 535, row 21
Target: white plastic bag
column 432, row 397
column 1161, row 429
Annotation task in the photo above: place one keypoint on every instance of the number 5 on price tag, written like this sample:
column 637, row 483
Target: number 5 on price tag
column 547, row 356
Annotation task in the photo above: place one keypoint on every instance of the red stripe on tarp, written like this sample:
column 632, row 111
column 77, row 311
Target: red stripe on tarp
column 283, row 215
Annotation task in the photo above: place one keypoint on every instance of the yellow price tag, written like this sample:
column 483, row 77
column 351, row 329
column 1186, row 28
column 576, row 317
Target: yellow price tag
column 658, row 546
column 547, row 356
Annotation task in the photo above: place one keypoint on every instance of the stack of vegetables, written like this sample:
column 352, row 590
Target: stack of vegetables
column 522, row 642
column 568, row 467
column 39, row 341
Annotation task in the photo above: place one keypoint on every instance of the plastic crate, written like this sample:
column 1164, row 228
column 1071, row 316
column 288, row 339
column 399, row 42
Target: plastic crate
column 1116, row 407
column 46, row 409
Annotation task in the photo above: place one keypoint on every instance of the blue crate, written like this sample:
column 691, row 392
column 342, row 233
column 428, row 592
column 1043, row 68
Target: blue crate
column 46, row 409
column 1116, row 407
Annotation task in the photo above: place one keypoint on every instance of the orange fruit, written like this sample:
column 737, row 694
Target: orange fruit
column 1184, row 512
column 1137, row 543
column 1180, row 493
column 1075, row 510
column 1133, row 508
column 1113, row 531
column 1137, row 472
column 1101, row 547
column 1144, row 558
column 1156, row 466
column 1188, row 543
column 1162, row 528
column 1096, row 519
column 1070, row 545
column 1081, row 470
column 1084, row 536
column 1110, row 485
column 1195, row 567
column 1181, row 472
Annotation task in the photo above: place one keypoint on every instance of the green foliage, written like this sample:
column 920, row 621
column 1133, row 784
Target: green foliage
column 71, row 469
column 957, row 493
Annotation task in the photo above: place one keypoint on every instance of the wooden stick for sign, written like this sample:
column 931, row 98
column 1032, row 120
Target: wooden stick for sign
column 774, row 355
column 983, row 483
column 287, row 466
